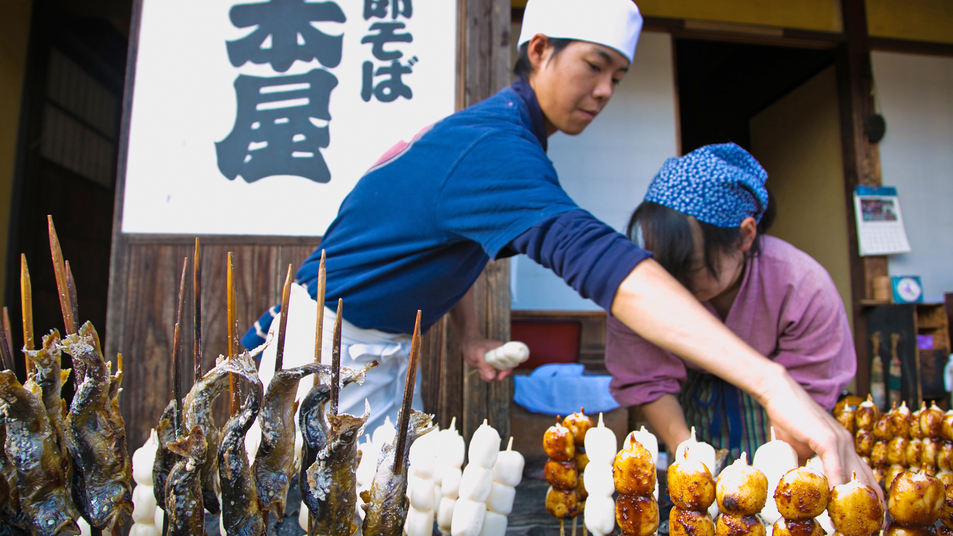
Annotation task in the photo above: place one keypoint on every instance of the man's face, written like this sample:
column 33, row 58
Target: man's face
column 573, row 86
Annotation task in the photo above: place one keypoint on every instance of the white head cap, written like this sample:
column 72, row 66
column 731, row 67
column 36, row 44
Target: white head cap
column 612, row 23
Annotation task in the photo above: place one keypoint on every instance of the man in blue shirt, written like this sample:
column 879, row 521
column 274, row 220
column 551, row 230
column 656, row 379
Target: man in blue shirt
column 420, row 226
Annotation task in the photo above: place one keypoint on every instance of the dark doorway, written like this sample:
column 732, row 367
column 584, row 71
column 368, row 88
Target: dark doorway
column 66, row 157
column 722, row 85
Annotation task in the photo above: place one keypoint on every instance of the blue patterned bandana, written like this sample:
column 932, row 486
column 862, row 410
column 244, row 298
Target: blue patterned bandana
column 717, row 184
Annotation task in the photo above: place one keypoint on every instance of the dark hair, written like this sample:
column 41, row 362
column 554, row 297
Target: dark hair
column 666, row 233
column 523, row 68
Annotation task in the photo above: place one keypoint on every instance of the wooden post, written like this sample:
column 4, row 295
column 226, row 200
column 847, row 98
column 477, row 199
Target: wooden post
column 486, row 71
column 861, row 167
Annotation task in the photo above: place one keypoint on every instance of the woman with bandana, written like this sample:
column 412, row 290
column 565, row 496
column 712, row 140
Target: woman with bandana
column 704, row 218
column 419, row 227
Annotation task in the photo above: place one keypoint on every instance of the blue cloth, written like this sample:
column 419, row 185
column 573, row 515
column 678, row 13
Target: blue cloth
column 725, row 397
column 717, row 184
column 561, row 389
column 418, row 229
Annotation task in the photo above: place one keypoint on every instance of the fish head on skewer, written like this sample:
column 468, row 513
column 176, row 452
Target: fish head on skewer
column 192, row 446
column 346, row 429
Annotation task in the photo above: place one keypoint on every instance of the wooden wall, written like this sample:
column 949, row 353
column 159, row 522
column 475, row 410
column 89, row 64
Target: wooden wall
column 145, row 270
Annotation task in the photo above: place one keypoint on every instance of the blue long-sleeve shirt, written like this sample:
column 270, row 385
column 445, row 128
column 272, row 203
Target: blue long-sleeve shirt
column 419, row 227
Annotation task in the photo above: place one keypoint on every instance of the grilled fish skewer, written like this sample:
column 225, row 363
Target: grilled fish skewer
column 42, row 484
column 184, row 486
column 314, row 431
column 275, row 460
column 12, row 520
column 165, row 459
column 332, row 481
column 240, row 513
column 96, row 435
column 386, row 502
column 197, row 411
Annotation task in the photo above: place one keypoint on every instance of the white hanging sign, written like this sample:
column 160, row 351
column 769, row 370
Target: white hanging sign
column 257, row 118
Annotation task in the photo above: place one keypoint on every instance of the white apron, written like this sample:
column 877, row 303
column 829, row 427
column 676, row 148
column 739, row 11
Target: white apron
column 384, row 386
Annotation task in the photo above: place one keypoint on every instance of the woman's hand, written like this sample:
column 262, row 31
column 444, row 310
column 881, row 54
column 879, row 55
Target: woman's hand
column 667, row 419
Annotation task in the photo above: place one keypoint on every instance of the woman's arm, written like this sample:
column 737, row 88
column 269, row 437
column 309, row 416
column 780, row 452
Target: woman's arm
column 659, row 309
column 473, row 344
column 667, row 419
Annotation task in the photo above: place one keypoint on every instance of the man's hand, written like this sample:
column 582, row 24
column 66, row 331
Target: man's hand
column 657, row 307
column 802, row 420
column 474, row 349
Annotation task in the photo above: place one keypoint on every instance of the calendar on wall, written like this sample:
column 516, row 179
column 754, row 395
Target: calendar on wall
column 880, row 229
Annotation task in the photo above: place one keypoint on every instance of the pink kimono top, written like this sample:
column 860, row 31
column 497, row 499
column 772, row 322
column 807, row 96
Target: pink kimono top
column 787, row 309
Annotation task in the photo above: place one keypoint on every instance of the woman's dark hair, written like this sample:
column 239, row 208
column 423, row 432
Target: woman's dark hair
column 666, row 232
column 523, row 68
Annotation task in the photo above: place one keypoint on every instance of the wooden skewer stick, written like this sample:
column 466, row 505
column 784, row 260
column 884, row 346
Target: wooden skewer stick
column 574, row 521
column 71, row 289
column 562, row 527
column 177, row 350
column 336, row 359
column 197, row 313
column 69, row 321
column 6, row 355
column 319, row 325
column 404, row 419
column 283, row 323
column 232, row 315
column 26, row 312
column 509, row 444
column 7, row 329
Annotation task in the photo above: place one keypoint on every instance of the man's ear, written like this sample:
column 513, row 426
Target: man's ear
column 536, row 50
column 749, row 231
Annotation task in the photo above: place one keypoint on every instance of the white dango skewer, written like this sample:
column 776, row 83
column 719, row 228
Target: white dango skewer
column 420, row 487
column 450, row 452
column 484, row 446
column 646, row 439
column 774, row 459
column 704, row 453
column 650, row 442
column 600, row 443
column 507, row 474
column 476, row 482
column 507, row 356
column 143, row 498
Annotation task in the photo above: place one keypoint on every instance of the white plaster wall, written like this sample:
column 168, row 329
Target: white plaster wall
column 608, row 167
column 915, row 95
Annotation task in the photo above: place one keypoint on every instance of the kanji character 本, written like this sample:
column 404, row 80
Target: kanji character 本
column 280, row 126
column 378, row 8
column 293, row 37
column 387, row 90
column 386, row 34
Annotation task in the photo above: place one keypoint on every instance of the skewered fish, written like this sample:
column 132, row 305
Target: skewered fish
column 275, row 460
column 197, row 411
column 240, row 513
column 184, row 486
column 43, row 487
column 386, row 501
column 313, row 424
column 165, row 458
column 96, row 435
column 50, row 379
column 11, row 518
column 331, row 478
